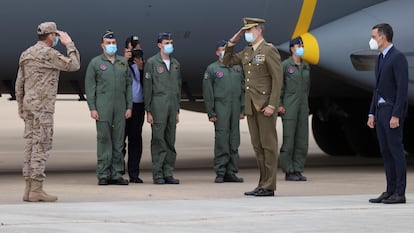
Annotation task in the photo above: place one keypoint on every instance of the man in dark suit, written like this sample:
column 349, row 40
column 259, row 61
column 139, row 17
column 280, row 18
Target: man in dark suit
column 388, row 110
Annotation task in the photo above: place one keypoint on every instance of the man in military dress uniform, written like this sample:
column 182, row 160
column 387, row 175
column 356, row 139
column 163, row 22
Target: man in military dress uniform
column 263, row 75
column 223, row 92
column 162, row 94
column 36, row 89
column 294, row 110
column 108, row 88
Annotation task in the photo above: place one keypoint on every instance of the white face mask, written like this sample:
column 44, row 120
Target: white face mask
column 373, row 44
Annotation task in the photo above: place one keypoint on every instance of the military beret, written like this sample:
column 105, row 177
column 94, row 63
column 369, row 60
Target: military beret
column 109, row 35
column 252, row 22
column 221, row 43
column 164, row 36
column 297, row 40
column 46, row 27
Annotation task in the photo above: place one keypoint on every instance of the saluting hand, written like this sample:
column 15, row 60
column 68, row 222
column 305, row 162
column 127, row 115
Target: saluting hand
column 237, row 36
column 64, row 37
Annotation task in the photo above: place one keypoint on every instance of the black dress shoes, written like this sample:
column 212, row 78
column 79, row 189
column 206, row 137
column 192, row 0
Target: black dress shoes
column 119, row 181
column 394, row 199
column 264, row 193
column 379, row 199
column 103, row 182
column 233, row 178
column 159, row 181
column 291, row 176
column 135, row 180
column 219, row 179
column 171, row 180
column 300, row 176
column 251, row 193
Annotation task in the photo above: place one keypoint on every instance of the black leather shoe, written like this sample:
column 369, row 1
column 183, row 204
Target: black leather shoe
column 251, row 193
column 379, row 199
column 159, row 181
column 233, row 178
column 219, row 179
column 264, row 193
column 291, row 176
column 135, row 180
column 171, row 180
column 394, row 199
column 300, row 176
column 119, row 181
column 103, row 182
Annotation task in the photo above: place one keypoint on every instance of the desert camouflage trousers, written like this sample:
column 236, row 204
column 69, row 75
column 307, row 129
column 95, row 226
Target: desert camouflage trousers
column 38, row 133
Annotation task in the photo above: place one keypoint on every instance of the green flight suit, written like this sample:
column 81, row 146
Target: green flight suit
column 223, row 92
column 294, row 99
column 162, row 94
column 108, row 89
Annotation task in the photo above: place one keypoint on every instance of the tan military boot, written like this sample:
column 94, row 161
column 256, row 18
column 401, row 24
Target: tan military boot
column 37, row 194
column 27, row 190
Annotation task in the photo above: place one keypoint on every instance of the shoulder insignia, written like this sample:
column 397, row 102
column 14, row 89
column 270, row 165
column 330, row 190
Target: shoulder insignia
column 206, row 76
column 148, row 75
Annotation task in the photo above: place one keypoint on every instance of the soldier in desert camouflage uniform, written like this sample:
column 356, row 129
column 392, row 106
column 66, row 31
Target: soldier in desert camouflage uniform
column 36, row 88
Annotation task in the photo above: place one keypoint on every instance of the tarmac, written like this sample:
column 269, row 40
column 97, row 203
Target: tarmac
column 334, row 199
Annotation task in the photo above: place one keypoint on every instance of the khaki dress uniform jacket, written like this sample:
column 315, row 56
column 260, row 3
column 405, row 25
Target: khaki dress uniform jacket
column 263, row 79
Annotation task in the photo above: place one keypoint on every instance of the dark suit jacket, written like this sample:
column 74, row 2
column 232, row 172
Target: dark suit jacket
column 391, row 83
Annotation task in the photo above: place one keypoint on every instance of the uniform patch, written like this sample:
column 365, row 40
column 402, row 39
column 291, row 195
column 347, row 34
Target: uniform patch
column 160, row 69
column 121, row 64
column 290, row 70
column 103, row 66
column 206, row 75
column 147, row 75
column 219, row 74
column 259, row 59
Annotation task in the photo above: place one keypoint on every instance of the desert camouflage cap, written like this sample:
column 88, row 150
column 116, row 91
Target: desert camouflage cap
column 252, row 22
column 46, row 27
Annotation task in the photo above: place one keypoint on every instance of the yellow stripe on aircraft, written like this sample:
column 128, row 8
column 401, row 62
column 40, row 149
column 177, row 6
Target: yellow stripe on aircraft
column 302, row 27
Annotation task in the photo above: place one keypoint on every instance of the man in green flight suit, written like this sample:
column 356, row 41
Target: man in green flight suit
column 162, row 94
column 295, row 112
column 263, row 75
column 108, row 87
column 223, row 92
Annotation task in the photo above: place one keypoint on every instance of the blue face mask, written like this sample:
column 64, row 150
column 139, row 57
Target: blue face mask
column 248, row 36
column 168, row 49
column 300, row 51
column 56, row 41
column 110, row 49
column 222, row 54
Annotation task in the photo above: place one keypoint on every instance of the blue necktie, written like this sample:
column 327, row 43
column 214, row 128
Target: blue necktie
column 380, row 61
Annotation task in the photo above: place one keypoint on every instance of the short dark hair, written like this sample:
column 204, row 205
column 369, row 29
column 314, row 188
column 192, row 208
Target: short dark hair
column 384, row 29
column 43, row 36
column 133, row 40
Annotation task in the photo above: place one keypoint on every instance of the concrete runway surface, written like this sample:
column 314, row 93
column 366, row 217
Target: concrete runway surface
column 335, row 199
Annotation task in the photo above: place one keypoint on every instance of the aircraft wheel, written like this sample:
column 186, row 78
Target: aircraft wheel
column 331, row 137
